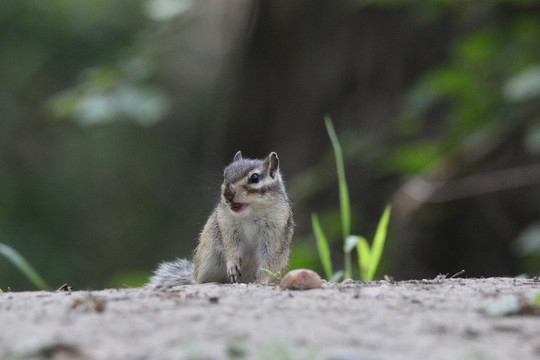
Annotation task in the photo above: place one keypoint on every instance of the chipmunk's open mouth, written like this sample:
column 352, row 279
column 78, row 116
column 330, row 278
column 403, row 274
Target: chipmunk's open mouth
column 237, row 207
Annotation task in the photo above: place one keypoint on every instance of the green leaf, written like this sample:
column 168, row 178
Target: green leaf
column 322, row 246
column 503, row 306
column 378, row 242
column 528, row 241
column 344, row 201
column 413, row 158
column 16, row 259
column 524, row 86
column 161, row 10
column 337, row 276
column 343, row 190
column 350, row 243
column 364, row 256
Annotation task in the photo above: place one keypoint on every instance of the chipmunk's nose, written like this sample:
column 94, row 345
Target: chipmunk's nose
column 228, row 193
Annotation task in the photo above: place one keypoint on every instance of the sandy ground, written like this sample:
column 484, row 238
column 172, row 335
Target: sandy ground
column 427, row 319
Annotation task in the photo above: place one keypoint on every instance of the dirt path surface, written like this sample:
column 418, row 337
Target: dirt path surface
column 428, row 319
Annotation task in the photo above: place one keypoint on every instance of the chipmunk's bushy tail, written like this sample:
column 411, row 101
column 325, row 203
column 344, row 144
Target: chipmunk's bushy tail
column 174, row 273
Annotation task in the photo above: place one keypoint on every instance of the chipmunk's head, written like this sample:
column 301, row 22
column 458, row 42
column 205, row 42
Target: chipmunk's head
column 249, row 183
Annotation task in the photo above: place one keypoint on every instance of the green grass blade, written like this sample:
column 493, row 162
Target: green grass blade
column 378, row 242
column 344, row 200
column 364, row 257
column 16, row 259
column 343, row 190
column 276, row 276
column 337, row 276
column 322, row 246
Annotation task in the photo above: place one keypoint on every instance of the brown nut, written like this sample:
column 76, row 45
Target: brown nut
column 300, row 279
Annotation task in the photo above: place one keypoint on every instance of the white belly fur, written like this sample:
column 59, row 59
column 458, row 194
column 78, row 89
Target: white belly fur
column 249, row 250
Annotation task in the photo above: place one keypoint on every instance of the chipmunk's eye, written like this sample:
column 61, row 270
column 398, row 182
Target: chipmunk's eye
column 253, row 179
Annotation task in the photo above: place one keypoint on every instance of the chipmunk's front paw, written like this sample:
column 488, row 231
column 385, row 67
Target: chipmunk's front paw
column 234, row 273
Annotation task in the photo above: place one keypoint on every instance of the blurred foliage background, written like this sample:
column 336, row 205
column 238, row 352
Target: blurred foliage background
column 117, row 118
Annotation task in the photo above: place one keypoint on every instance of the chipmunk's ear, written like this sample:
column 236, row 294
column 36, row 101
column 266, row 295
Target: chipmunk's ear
column 238, row 156
column 271, row 164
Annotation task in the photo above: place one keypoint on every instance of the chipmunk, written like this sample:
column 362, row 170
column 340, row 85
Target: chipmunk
column 249, row 230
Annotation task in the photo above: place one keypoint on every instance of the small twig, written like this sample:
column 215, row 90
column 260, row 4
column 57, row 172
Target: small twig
column 64, row 287
column 428, row 191
column 457, row 274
